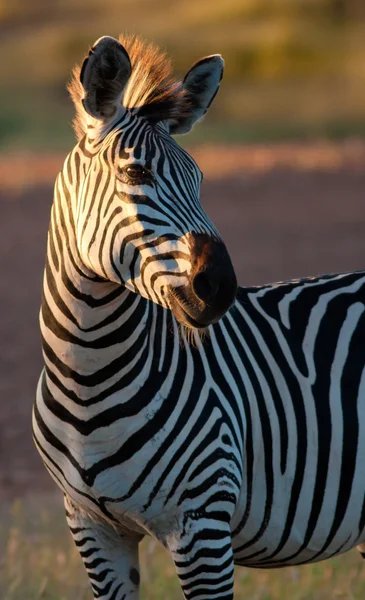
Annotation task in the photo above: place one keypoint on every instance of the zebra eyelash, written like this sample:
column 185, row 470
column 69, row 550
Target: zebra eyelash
column 146, row 177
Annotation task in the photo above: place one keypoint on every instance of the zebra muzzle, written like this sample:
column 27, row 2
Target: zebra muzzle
column 212, row 287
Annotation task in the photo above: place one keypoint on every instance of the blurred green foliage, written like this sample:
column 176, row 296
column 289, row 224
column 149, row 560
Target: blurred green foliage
column 294, row 68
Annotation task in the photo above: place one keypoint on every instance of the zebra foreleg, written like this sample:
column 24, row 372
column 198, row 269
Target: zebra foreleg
column 111, row 559
column 204, row 563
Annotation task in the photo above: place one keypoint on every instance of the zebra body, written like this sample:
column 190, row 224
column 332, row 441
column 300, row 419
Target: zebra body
column 244, row 445
column 246, row 393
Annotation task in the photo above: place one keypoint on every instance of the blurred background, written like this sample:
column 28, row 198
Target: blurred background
column 294, row 68
column 283, row 153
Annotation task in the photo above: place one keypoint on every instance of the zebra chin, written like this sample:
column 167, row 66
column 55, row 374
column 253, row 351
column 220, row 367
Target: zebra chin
column 195, row 314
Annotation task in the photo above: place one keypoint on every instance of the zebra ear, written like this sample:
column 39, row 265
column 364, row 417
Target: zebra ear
column 103, row 76
column 201, row 84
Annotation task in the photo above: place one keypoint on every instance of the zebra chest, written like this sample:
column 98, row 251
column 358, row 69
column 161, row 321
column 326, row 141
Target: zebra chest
column 158, row 483
column 171, row 502
column 155, row 478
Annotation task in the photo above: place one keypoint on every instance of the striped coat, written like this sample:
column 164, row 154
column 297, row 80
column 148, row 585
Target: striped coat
column 225, row 423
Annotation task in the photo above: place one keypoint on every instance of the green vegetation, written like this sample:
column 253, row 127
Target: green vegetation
column 39, row 562
column 293, row 69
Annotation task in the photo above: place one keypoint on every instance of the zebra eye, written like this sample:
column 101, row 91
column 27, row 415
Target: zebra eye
column 137, row 173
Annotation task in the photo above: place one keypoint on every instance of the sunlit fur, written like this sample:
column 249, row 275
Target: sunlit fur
column 151, row 90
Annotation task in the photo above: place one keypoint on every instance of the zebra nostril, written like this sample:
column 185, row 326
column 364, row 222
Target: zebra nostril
column 204, row 286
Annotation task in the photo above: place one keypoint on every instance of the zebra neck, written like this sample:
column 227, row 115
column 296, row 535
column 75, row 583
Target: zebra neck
column 96, row 339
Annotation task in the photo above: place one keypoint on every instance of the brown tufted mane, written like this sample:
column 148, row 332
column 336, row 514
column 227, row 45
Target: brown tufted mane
column 151, row 90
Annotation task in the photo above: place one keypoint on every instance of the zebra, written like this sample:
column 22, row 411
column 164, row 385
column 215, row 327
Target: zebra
column 224, row 421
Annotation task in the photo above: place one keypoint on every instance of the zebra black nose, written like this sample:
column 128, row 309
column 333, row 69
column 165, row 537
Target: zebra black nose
column 205, row 286
column 213, row 280
column 212, row 287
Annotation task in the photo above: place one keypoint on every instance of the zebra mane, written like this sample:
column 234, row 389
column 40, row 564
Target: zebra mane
column 152, row 90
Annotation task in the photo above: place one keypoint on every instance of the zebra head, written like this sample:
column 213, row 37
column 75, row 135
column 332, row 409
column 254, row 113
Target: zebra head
column 139, row 221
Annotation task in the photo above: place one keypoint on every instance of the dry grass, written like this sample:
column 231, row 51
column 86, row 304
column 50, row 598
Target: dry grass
column 39, row 561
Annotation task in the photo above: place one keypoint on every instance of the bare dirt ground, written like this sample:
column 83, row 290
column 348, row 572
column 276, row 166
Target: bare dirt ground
column 284, row 212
